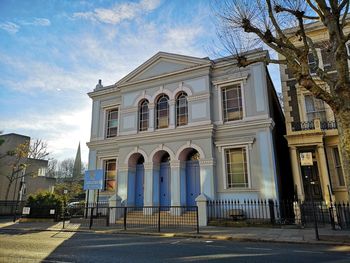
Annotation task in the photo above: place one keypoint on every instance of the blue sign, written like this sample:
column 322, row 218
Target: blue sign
column 93, row 180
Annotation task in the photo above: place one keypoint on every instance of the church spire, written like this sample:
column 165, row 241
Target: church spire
column 77, row 165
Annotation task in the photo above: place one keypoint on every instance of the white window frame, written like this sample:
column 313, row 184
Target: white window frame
column 335, row 167
column 320, row 61
column 305, row 108
column 176, row 116
column 220, row 86
column 139, row 116
column 156, row 111
column 105, row 116
column 223, row 150
column 42, row 171
column 102, row 165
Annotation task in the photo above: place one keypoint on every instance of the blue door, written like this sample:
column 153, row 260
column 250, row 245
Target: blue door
column 192, row 182
column 164, row 183
column 139, row 185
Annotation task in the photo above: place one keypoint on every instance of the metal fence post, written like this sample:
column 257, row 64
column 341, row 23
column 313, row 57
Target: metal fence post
column 272, row 211
column 91, row 217
column 125, row 212
column 159, row 219
column 64, row 218
column 197, row 220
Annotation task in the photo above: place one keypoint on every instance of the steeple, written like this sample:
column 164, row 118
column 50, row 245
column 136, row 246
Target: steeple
column 77, row 165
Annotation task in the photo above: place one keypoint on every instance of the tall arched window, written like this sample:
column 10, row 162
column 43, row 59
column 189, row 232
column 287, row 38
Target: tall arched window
column 181, row 109
column 162, row 120
column 143, row 115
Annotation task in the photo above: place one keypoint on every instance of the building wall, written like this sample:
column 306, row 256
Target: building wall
column 32, row 181
column 11, row 142
column 206, row 131
column 318, row 139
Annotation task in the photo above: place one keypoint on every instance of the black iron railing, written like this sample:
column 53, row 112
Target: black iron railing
column 251, row 211
column 280, row 212
column 343, row 215
column 310, row 125
column 7, row 208
column 303, row 126
column 155, row 217
column 328, row 125
column 322, row 213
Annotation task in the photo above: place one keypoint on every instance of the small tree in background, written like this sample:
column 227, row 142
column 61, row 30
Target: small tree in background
column 74, row 190
column 17, row 161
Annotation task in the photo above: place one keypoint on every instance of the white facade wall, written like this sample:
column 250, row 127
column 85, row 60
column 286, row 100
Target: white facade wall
column 206, row 132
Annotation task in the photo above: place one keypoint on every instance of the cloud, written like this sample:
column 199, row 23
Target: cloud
column 10, row 27
column 62, row 131
column 13, row 28
column 119, row 12
column 37, row 22
column 183, row 35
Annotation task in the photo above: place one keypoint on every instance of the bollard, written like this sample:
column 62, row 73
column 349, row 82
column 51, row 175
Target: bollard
column 125, row 212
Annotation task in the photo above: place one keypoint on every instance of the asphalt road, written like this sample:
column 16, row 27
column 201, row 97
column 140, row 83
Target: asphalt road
column 48, row 246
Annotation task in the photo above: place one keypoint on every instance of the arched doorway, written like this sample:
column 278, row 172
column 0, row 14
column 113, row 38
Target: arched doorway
column 191, row 158
column 136, row 162
column 163, row 158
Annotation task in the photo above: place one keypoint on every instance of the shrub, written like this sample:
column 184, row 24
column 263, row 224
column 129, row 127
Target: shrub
column 41, row 203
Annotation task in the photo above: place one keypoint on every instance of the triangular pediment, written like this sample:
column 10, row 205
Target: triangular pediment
column 162, row 64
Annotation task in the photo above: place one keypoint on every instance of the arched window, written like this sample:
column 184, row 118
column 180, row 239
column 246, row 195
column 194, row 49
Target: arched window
column 162, row 120
column 181, row 109
column 143, row 115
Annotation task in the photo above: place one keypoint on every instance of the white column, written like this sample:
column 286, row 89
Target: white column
column 175, row 186
column 207, row 178
column 115, row 210
column 171, row 114
column 123, row 182
column 324, row 176
column 297, row 178
column 151, row 117
column 148, row 184
column 201, row 201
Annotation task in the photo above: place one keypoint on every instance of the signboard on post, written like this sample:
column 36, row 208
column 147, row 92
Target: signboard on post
column 93, row 180
column 26, row 210
column 306, row 159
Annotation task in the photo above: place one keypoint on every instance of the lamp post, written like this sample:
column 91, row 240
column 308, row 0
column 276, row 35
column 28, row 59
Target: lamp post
column 65, row 192
column 307, row 161
column 309, row 184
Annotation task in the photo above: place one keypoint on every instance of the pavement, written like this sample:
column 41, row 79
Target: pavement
column 252, row 234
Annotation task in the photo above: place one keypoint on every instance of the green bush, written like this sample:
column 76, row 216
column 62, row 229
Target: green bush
column 45, row 199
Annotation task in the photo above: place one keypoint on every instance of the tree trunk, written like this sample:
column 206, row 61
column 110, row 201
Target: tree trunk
column 8, row 190
column 343, row 121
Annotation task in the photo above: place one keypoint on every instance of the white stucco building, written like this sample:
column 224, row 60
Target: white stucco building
column 178, row 126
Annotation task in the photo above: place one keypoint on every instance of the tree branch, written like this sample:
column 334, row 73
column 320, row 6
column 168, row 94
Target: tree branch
column 296, row 13
column 278, row 29
column 242, row 61
column 343, row 21
column 320, row 14
column 320, row 72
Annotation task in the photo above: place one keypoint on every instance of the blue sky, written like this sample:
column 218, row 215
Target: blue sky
column 53, row 52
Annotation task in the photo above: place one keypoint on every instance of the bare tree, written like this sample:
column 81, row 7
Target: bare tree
column 52, row 167
column 38, row 149
column 245, row 24
column 65, row 168
column 17, row 161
